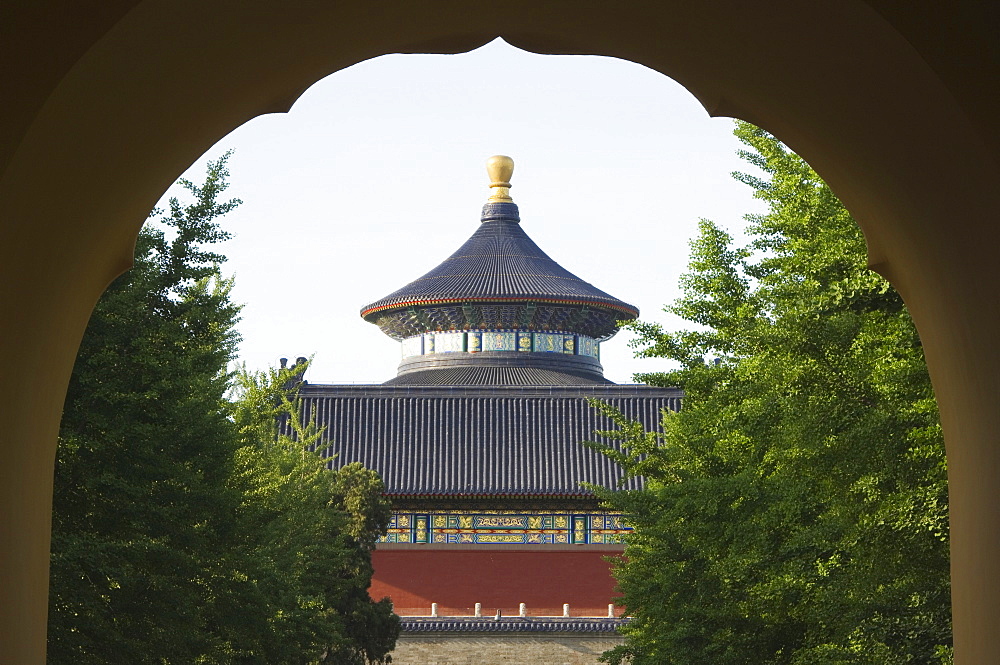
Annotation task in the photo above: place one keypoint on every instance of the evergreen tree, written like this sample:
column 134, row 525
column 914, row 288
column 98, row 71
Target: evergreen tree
column 185, row 530
column 795, row 509
column 144, row 448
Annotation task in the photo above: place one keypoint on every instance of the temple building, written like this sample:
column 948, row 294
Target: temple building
column 479, row 442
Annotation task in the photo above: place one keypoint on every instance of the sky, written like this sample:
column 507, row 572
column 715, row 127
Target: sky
column 377, row 174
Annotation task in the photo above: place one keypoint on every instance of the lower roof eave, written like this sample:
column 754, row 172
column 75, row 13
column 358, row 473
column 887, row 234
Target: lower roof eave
column 488, row 493
column 464, row 625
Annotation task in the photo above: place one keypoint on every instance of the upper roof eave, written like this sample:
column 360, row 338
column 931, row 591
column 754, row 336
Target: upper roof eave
column 499, row 263
column 400, row 303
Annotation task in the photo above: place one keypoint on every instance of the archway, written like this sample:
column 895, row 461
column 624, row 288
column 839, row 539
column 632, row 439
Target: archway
column 118, row 102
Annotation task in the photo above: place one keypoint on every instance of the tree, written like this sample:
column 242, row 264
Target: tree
column 144, row 447
column 310, row 531
column 185, row 530
column 795, row 509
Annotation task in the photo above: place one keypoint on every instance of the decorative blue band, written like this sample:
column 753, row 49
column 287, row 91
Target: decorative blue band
column 455, row 527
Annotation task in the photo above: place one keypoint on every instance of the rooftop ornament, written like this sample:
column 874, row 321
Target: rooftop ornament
column 500, row 168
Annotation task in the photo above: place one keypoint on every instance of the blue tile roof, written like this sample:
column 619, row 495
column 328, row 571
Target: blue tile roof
column 501, row 264
column 480, row 440
column 495, row 376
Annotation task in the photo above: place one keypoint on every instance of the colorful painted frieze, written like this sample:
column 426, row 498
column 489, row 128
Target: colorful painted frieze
column 499, row 341
column 569, row 343
column 586, row 346
column 449, row 342
column 506, row 527
column 548, row 343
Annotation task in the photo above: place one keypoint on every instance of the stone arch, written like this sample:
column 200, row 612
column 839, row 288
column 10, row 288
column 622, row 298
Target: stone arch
column 107, row 107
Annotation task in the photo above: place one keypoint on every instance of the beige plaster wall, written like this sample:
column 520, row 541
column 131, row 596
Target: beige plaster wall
column 525, row 649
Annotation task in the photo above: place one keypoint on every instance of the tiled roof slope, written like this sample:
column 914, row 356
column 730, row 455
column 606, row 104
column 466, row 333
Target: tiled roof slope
column 495, row 376
column 472, row 440
column 499, row 263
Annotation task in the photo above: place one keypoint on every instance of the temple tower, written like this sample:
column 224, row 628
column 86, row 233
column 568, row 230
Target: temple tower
column 478, row 439
column 499, row 311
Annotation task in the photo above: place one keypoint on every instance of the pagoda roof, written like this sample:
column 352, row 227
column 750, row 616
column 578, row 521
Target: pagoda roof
column 476, row 441
column 499, row 264
column 495, row 376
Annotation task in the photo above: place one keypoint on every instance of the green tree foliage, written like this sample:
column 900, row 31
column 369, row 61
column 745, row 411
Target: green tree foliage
column 795, row 509
column 309, row 531
column 184, row 531
column 144, row 447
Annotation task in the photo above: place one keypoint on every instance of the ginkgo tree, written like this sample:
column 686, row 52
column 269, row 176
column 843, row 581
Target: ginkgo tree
column 795, row 509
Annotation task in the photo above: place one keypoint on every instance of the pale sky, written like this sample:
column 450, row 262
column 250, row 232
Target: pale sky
column 377, row 174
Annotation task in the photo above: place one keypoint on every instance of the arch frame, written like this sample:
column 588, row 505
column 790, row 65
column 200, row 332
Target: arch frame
column 106, row 106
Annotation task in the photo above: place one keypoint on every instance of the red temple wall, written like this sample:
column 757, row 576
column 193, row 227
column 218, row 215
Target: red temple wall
column 458, row 579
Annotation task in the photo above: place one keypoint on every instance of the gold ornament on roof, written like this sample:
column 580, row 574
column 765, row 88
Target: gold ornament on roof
column 500, row 168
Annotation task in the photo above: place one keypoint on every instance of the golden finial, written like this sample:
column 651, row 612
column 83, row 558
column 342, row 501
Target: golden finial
column 500, row 168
